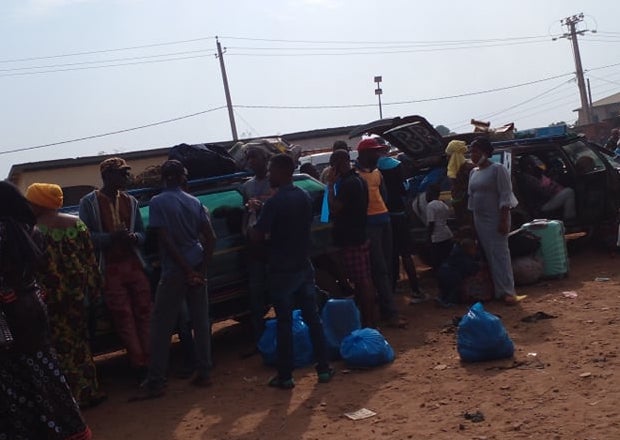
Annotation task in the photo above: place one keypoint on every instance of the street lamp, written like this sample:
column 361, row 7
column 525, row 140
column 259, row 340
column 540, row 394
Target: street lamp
column 379, row 92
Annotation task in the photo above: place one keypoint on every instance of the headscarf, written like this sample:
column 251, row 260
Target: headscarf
column 46, row 195
column 456, row 150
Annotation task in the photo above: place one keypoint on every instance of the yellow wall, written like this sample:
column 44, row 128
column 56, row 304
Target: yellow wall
column 78, row 175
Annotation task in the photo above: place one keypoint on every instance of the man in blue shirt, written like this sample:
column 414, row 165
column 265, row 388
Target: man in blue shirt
column 286, row 218
column 186, row 242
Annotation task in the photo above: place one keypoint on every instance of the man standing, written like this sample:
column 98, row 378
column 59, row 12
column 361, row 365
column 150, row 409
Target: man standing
column 287, row 218
column 338, row 145
column 113, row 219
column 186, row 242
column 348, row 201
column 255, row 192
column 379, row 229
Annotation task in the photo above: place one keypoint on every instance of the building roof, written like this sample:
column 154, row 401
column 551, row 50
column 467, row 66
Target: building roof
column 93, row 160
column 612, row 99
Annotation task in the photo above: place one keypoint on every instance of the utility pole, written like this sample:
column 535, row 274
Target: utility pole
column 572, row 34
column 231, row 114
column 379, row 92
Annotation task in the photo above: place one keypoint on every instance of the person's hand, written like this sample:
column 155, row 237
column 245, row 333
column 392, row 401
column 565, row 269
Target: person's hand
column 194, row 278
column 332, row 176
column 254, row 205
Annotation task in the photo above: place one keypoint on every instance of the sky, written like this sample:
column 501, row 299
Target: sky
column 77, row 68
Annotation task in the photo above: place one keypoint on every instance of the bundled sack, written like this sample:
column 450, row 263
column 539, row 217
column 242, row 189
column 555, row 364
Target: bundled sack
column 340, row 318
column 269, row 147
column 527, row 270
column 303, row 354
column 481, row 336
column 203, row 160
column 522, row 242
column 366, row 348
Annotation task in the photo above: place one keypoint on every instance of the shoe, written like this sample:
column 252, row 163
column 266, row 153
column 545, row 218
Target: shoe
column 444, row 303
column 396, row 322
column 149, row 390
column 417, row 298
column 326, row 376
column 283, row 384
column 510, row 300
column 200, row 381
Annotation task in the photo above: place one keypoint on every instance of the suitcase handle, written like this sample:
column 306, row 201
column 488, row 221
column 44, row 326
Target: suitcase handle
column 538, row 223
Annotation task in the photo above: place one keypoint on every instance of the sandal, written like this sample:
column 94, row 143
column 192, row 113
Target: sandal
column 510, row 300
column 283, row 384
column 326, row 376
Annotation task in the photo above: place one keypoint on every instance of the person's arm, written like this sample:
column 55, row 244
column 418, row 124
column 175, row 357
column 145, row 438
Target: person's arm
column 101, row 240
column 264, row 223
column 507, row 200
column 138, row 234
column 207, row 238
column 430, row 220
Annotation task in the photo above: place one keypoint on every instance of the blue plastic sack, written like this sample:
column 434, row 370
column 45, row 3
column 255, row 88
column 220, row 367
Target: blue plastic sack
column 303, row 353
column 481, row 336
column 366, row 348
column 340, row 317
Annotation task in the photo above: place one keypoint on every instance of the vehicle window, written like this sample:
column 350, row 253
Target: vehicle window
column 497, row 158
column 583, row 158
column 309, row 185
column 231, row 198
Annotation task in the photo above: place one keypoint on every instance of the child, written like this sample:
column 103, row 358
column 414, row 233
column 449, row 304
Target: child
column 439, row 234
column 460, row 264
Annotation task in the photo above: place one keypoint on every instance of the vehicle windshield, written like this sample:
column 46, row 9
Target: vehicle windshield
column 583, row 158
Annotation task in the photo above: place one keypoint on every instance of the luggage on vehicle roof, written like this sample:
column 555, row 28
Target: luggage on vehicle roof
column 203, row 160
column 270, row 146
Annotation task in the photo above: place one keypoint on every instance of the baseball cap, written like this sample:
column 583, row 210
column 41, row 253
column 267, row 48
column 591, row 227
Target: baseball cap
column 113, row 164
column 370, row 144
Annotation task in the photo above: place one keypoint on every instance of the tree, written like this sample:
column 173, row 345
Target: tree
column 443, row 130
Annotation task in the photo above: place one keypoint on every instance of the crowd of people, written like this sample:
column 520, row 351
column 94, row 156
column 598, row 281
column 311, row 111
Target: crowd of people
column 53, row 265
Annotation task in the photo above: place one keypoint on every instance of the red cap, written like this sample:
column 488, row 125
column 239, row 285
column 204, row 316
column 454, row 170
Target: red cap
column 370, row 144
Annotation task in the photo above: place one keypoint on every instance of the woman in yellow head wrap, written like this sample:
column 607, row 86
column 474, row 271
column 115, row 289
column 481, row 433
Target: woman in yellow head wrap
column 456, row 151
column 71, row 273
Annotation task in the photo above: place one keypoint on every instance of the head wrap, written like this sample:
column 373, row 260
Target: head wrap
column 456, row 150
column 46, row 195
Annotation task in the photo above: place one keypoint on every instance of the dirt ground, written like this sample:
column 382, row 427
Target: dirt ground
column 570, row 388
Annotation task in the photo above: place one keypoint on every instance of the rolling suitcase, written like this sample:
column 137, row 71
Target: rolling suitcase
column 552, row 246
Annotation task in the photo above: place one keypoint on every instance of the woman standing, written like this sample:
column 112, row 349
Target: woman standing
column 35, row 401
column 490, row 200
column 70, row 277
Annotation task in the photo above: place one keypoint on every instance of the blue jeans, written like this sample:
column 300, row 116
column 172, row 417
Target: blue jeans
column 171, row 292
column 288, row 290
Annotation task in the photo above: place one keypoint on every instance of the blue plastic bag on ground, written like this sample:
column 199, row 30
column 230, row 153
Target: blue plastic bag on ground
column 366, row 348
column 481, row 336
column 303, row 353
column 340, row 317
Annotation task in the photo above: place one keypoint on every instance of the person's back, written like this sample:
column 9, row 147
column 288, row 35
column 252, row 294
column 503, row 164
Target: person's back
column 392, row 173
column 349, row 227
column 290, row 230
column 183, row 216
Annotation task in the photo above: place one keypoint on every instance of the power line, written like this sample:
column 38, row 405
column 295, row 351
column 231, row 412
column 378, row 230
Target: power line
column 377, row 52
column 605, row 80
column 434, row 42
column 51, row 66
column 106, row 66
column 413, row 101
column 110, row 133
column 91, row 52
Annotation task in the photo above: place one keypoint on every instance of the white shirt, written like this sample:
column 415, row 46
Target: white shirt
column 438, row 213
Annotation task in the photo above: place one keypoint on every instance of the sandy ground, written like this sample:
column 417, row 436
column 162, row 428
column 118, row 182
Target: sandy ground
column 570, row 388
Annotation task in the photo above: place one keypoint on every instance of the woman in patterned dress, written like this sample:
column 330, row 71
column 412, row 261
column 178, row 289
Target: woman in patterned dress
column 35, row 400
column 70, row 277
